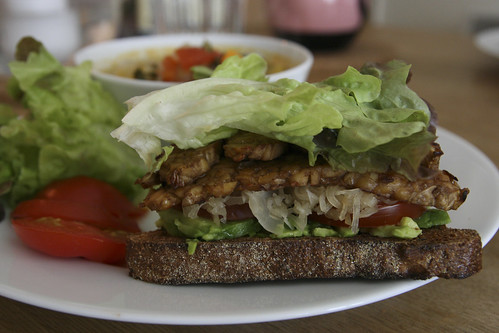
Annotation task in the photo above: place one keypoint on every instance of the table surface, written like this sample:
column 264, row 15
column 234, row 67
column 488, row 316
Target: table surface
column 463, row 86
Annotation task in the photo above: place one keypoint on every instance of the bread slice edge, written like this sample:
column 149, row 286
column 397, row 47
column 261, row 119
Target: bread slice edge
column 438, row 252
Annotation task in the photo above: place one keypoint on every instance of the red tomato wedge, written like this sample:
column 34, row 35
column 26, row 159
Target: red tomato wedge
column 195, row 56
column 386, row 215
column 87, row 191
column 234, row 212
column 78, row 217
column 68, row 239
column 95, row 215
column 177, row 67
column 169, row 72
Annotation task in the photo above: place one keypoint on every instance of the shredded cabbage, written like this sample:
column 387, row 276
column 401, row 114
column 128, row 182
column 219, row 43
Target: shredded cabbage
column 276, row 210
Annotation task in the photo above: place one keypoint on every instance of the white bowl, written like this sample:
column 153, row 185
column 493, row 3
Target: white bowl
column 104, row 53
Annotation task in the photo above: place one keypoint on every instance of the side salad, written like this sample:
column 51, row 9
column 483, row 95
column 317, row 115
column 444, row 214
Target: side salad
column 67, row 130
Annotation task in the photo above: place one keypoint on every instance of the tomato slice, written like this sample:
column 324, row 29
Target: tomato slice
column 68, row 239
column 89, row 191
column 95, row 215
column 392, row 214
column 386, row 215
column 177, row 67
column 169, row 71
column 234, row 212
column 239, row 212
column 195, row 56
column 78, row 217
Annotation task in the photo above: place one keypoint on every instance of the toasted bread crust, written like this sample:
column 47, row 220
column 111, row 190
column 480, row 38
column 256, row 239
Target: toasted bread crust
column 446, row 253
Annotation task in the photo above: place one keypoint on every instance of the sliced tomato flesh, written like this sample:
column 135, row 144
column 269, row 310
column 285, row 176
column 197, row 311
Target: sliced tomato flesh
column 69, row 239
column 234, row 213
column 85, row 189
column 170, row 68
column 95, row 215
column 81, row 192
column 195, row 56
column 78, row 217
column 177, row 67
column 386, row 215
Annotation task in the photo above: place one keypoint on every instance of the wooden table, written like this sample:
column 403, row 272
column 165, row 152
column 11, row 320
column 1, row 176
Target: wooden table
column 463, row 85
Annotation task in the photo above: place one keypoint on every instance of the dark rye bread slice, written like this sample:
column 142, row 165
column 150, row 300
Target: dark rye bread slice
column 443, row 252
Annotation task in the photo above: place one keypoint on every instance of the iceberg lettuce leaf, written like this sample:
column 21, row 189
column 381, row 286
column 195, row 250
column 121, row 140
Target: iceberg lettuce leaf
column 373, row 119
column 195, row 113
column 250, row 67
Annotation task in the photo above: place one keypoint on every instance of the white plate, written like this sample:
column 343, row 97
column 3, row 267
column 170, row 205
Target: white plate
column 488, row 41
column 95, row 290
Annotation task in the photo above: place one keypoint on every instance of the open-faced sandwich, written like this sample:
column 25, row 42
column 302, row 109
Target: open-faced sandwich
column 258, row 181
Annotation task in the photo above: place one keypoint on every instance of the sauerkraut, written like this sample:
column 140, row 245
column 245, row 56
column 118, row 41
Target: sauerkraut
column 276, row 210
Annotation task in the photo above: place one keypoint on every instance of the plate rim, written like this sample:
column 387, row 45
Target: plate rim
column 394, row 288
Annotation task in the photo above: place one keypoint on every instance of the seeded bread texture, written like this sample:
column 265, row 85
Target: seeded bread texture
column 447, row 253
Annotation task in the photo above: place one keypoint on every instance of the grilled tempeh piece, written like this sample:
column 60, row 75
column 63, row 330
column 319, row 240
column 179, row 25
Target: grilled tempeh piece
column 184, row 166
column 440, row 191
column 250, row 146
column 432, row 160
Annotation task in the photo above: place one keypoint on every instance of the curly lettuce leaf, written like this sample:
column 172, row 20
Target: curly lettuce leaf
column 67, row 132
column 367, row 120
column 195, row 113
column 250, row 67
column 389, row 127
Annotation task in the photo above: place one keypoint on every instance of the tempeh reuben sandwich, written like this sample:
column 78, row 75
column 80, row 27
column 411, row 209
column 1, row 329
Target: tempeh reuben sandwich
column 257, row 181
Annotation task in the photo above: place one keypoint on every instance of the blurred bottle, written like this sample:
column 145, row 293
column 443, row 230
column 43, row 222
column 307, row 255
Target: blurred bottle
column 318, row 24
column 144, row 17
column 53, row 22
column 100, row 20
column 223, row 16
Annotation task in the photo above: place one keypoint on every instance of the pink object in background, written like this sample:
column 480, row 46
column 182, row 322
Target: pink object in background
column 317, row 24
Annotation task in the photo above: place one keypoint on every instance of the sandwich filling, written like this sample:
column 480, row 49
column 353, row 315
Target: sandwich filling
column 263, row 189
column 231, row 157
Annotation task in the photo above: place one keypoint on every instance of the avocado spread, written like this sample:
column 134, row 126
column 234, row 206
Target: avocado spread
column 194, row 230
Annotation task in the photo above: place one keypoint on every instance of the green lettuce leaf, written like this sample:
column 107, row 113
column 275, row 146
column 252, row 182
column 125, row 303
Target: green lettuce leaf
column 195, row 113
column 367, row 120
column 66, row 134
column 394, row 90
column 250, row 67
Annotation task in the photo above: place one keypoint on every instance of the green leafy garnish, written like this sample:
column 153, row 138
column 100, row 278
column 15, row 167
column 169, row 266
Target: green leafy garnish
column 377, row 121
column 67, row 132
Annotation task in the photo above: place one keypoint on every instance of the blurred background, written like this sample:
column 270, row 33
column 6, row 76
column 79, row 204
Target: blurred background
column 66, row 25
column 460, row 81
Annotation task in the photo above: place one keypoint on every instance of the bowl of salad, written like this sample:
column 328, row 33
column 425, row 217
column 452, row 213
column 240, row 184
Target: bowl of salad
column 134, row 66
